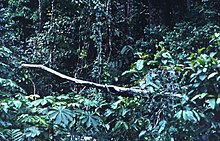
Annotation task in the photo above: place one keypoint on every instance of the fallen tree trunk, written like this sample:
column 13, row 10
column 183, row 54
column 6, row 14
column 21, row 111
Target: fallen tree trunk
column 109, row 88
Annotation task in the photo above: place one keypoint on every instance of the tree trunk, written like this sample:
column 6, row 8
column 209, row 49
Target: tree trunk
column 109, row 32
column 40, row 15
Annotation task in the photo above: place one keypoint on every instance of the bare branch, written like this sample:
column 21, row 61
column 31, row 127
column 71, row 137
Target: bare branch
column 110, row 88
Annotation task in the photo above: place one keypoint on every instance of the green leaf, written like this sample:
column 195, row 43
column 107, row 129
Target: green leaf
column 117, row 33
column 118, row 125
column 5, row 51
column 185, row 115
column 89, row 122
column 154, row 85
column 53, row 114
column 61, row 115
column 36, row 102
column 202, row 77
column 196, row 115
column 107, row 126
column 217, row 35
column 212, row 103
column 200, row 96
column 201, row 61
column 115, row 104
column 164, row 61
column 212, row 54
column 218, row 99
column 140, row 64
column 32, row 132
column 172, row 129
column 200, row 50
column 142, row 84
column 142, row 133
column 178, row 114
column 58, row 118
column 62, row 97
column 43, row 102
column 204, row 69
column 17, row 135
column 17, row 104
column 152, row 62
column 190, row 116
column 108, row 112
column 162, row 125
column 125, row 111
column 150, row 89
column 129, row 72
column 11, row 84
column 196, row 85
column 125, row 125
column 166, row 55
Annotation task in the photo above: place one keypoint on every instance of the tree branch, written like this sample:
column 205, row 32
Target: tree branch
column 110, row 88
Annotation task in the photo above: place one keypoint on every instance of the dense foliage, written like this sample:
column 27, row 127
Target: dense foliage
column 170, row 48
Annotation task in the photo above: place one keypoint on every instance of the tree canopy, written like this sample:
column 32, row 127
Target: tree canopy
column 120, row 70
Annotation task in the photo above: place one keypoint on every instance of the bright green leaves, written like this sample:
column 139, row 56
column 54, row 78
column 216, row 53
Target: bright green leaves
column 5, row 106
column 151, row 86
column 32, row 132
column 5, row 52
column 44, row 101
column 218, row 99
column 90, row 119
column 210, row 99
column 68, row 35
column 212, row 103
column 162, row 125
column 202, row 77
column 17, row 104
column 120, row 125
column 216, row 38
column 200, row 96
column 179, row 114
column 161, row 128
column 129, row 72
column 167, row 58
column 188, row 115
column 142, row 75
column 142, row 133
column 61, row 115
column 121, row 114
column 16, row 135
column 163, row 57
column 140, row 64
column 36, row 119
column 200, row 50
column 8, row 83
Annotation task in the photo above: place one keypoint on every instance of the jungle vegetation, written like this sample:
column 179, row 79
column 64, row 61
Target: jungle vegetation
column 170, row 49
